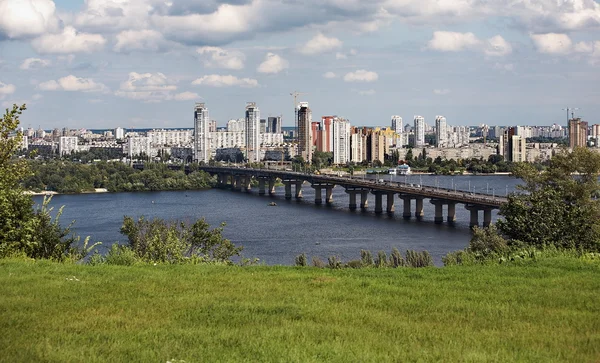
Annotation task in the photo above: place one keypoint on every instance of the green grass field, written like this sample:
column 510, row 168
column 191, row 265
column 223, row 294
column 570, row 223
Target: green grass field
column 540, row 311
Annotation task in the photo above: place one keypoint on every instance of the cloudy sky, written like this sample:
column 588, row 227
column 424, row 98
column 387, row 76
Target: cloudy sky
column 143, row 63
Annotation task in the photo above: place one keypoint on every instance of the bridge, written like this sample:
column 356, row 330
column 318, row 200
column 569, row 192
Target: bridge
column 241, row 179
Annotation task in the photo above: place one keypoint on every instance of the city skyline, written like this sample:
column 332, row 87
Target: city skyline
column 144, row 63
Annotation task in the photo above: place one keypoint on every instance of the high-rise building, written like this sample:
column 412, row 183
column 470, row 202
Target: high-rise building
column 341, row 141
column 119, row 133
column 201, row 134
column 577, row 133
column 357, row 146
column 397, row 127
column 419, row 130
column 263, row 125
column 252, row 132
column 67, row 145
column 212, row 126
column 441, row 132
column 274, row 124
column 512, row 146
column 304, row 131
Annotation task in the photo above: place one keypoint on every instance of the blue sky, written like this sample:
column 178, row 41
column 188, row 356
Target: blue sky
column 143, row 63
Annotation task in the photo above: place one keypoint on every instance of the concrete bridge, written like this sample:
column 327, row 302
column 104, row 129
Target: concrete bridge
column 240, row 179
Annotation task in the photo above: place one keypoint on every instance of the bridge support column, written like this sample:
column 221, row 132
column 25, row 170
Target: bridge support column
column 378, row 202
column 318, row 195
column 352, row 195
column 390, row 203
column 329, row 194
column 406, row 213
column 248, row 183
column 419, row 208
column 487, row 217
column 439, row 211
column 474, row 220
column 299, row 189
column 451, row 213
column 271, row 186
column 364, row 199
column 236, row 184
column 288, row 189
column 261, row 186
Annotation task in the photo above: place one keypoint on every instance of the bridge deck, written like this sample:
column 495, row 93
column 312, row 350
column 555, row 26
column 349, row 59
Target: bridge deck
column 410, row 190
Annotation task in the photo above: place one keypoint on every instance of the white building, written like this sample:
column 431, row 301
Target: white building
column 236, row 125
column 227, row 139
column 201, row 134
column 119, row 133
column 139, row 145
column 252, row 132
column 160, row 138
column 441, row 132
column 340, row 140
column 419, row 131
column 459, row 136
column 67, row 145
column 271, row 139
column 397, row 127
column 357, row 148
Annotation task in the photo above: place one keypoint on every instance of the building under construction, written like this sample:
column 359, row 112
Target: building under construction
column 304, row 120
column 577, row 133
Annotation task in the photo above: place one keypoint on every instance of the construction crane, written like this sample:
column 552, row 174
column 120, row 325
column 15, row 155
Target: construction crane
column 572, row 113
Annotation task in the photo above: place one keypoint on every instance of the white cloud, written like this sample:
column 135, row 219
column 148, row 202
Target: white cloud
column 72, row 84
column 339, row 55
column 142, row 40
column 552, row 43
column 215, row 80
column 442, row 91
column 149, row 87
column 6, row 89
column 37, row 96
column 444, row 41
column 273, row 64
column 329, row 75
column 34, row 63
column 320, row 44
column 361, row 75
column 186, row 96
column 584, row 47
column 26, row 18
column 216, row 57
column 69, row 41
column 497, row 47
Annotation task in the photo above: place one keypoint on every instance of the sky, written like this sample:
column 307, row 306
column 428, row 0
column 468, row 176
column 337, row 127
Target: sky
column 144, row 63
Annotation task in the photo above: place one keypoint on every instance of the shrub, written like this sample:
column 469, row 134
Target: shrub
column 367, row 258
column 317, row 262
column 301, row 260
column 381, row 260
column 396, row 259
column 334, row 262
column 418, row 259
column 354, row 264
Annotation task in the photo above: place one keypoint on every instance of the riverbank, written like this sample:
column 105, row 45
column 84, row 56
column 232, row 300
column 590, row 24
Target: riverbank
column 49, row 192
column 536, row 311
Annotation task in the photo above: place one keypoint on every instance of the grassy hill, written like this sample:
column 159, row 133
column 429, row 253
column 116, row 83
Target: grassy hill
column 538, row 311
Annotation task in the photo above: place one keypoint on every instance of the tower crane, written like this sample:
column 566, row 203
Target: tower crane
column 572, row 113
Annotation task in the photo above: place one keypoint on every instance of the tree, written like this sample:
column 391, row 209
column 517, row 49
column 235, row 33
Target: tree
column 558, row 206
column 16, row 211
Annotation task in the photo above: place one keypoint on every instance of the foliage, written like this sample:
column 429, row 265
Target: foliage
column 367, row 258
column 556, row 207
column 72, row 177
column 160, row 241
column 418, row 259
column 301, row 260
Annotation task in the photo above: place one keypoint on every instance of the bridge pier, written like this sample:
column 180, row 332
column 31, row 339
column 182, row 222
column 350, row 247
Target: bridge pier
column 352, row 196
column 248, row 183
column 288, row 189
column 329, row 194
column 378, row 201
column 364, row 199
column 261, row 186
column 271, row 186
column 439, row 211
column 406, row 214
column 419, row 208
column 390, row 203
column 299, row 189
column 487, row 217
column 451, row 212
column 236, row 184
column 318, row 200
column 474, row 220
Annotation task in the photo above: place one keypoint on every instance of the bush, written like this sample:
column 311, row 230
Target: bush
column 396, row 259
column 381, row 260
column 317, row 262
column 367, row 258
column 160, row 241
column 301, row 260
column 418, row 259
column 334, row 262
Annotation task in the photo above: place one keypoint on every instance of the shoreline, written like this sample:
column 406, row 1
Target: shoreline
column 50, row 192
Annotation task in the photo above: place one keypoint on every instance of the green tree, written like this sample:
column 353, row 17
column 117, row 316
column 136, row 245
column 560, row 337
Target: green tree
column 558, row 206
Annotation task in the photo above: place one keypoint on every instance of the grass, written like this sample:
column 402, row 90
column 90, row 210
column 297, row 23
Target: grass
column 545, row 311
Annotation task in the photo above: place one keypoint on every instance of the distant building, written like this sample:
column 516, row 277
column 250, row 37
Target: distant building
column 304, row 115
column 159, row 138
column 119, row 133
column 274, row 125
column 67, row 145
column 577, row 133
column 441, row 132
column 252, row 132
column 341, row 141
column 397, row 127
column 201, row 134
column 419, row 131
column 357, row 146
column 138, row 146
column 512, row 146
column 263, row 126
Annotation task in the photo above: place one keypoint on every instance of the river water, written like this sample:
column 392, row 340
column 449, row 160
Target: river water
column 276, row 234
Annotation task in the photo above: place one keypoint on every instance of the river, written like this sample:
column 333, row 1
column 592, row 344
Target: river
column 276, row 234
